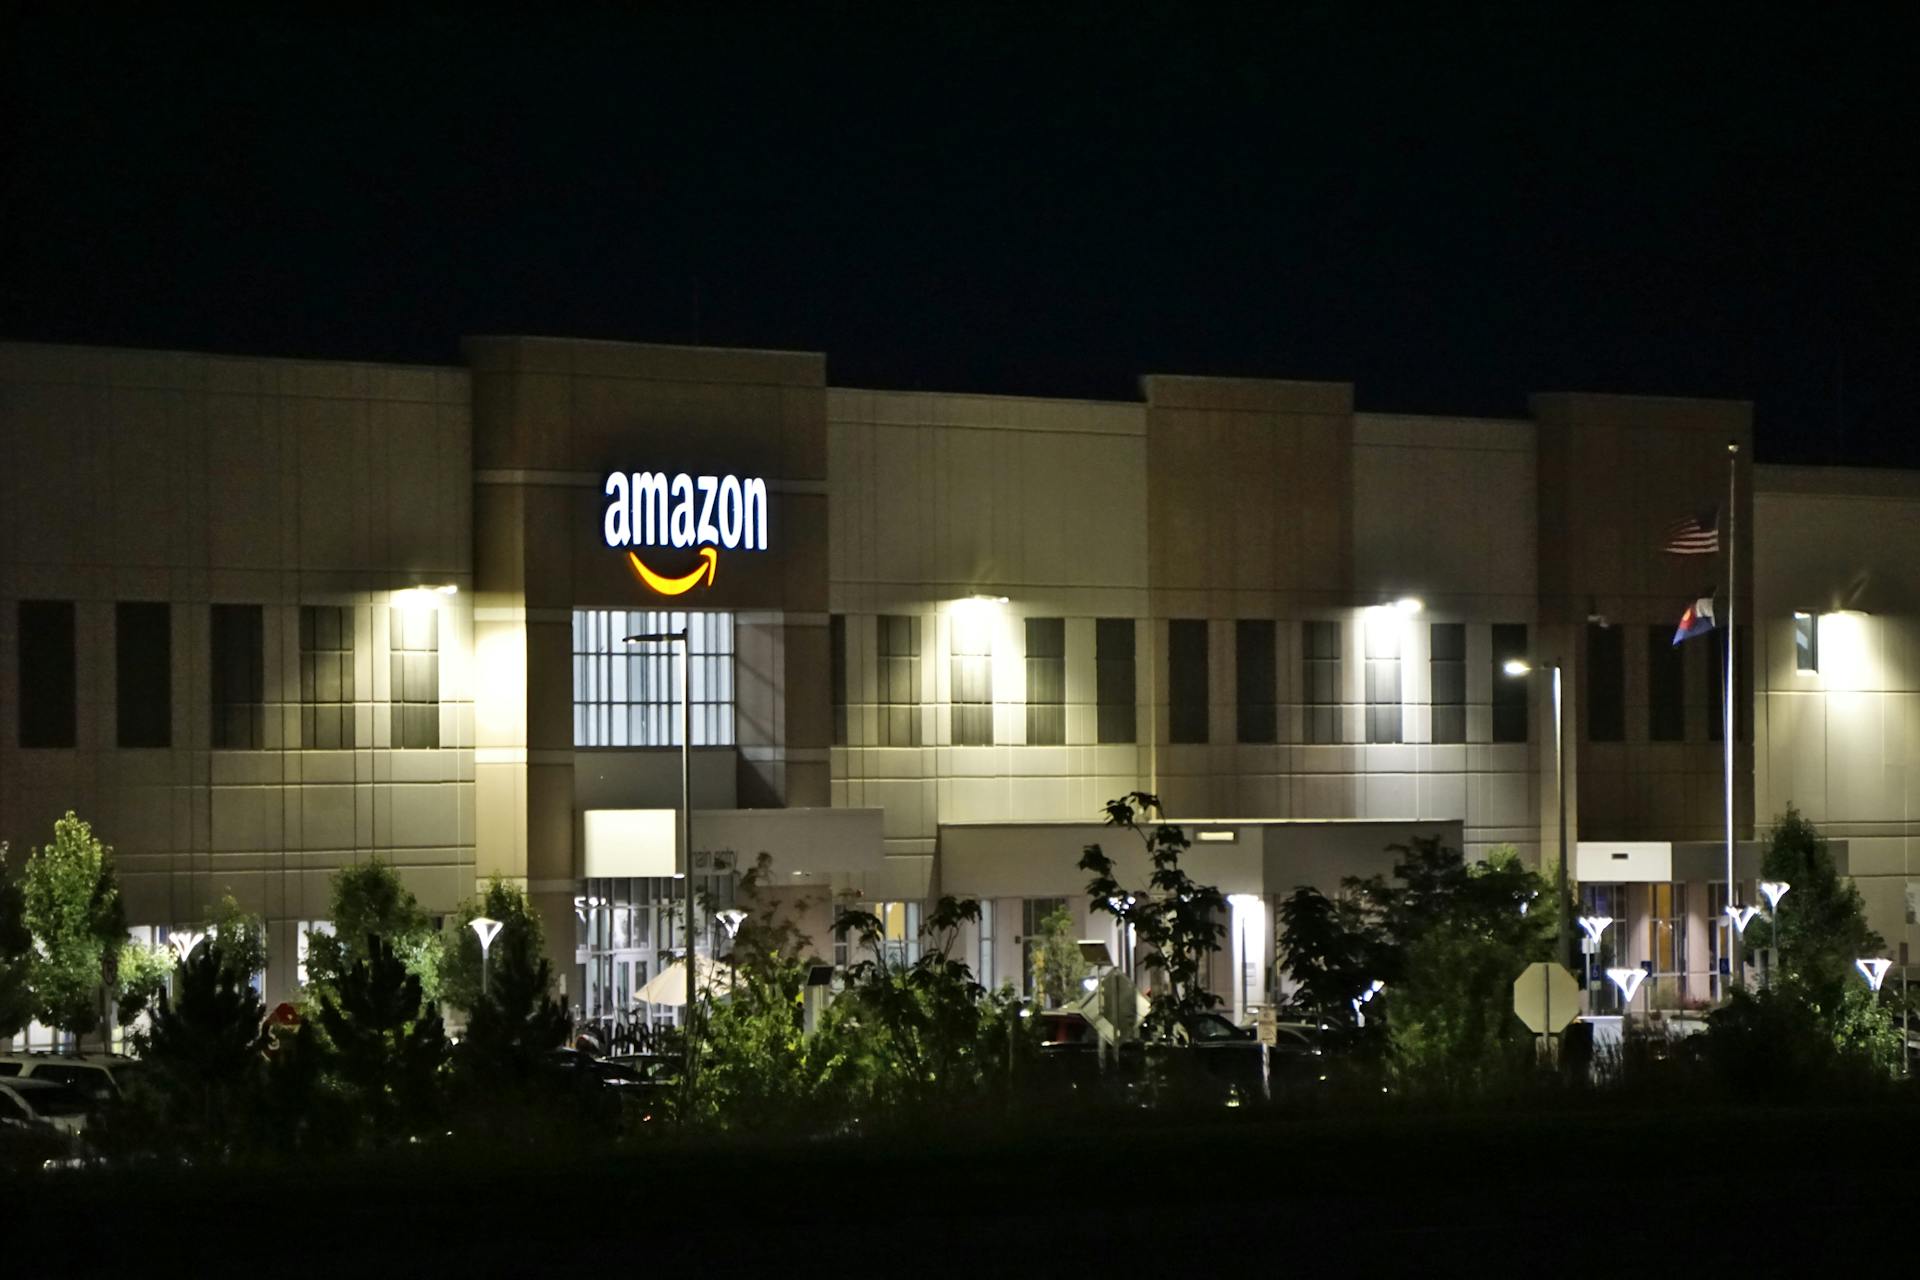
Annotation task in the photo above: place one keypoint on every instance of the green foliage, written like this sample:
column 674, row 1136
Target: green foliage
column 369, row 901
column 1057, row 963
column 521, row 936
column 387, row 1041
column 202, row 1053
column 242, row 939
column 1175, row 918
column 1823, row 923
column 917, row 1039
column 1782, row 1044
column 144, row 972
column 1326, row 949
column 72, row 907
column 16, row 953
column 767, row 937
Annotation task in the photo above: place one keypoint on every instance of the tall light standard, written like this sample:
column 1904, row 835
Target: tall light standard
column 1774, row 890
column 486, row 930
column 679, row 638
column 1517, row 667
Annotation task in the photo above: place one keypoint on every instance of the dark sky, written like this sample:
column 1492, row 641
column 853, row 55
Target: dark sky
column 1449, row 213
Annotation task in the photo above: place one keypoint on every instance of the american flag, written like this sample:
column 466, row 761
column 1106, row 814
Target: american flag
column 1697, row 535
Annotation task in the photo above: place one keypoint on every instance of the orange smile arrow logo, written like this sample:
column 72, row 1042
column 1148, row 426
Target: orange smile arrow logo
column 686, row 582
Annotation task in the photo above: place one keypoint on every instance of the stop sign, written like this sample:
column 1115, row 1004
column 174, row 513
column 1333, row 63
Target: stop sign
column 1546, row 997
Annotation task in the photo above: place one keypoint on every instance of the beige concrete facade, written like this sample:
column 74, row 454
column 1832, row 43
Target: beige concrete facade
column 958, row 526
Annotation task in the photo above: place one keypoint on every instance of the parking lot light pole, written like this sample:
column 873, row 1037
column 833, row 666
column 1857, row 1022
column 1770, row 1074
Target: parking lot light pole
column 679, row 638
column 486, row 930
column 1563, row 947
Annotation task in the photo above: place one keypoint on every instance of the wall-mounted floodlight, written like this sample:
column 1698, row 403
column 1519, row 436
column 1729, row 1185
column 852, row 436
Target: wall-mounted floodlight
column 1874, row 970
column 1217, row 836
column 1516, row 667
column 1407, row 606
column 186, row 940
column 1742, row 917
column 982, row 597
column 486, row 930
column 1628, row 980
column 1774, row 890
column 731, row 919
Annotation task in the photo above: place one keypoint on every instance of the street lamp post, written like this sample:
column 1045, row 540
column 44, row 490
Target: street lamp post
column 679, row 638
column 486, row 930
column 1518, row 667
column 1774, row 890
column 1593, row 927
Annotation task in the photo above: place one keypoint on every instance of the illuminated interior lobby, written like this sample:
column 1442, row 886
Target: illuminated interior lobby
column 264, row 618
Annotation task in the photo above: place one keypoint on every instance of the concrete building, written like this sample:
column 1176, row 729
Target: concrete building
column 265, row 618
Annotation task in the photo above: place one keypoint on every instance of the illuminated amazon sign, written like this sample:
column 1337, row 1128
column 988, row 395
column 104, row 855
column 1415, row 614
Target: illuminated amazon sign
column 654, row 509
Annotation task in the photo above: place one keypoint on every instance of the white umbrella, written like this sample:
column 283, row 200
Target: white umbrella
column 670, row 987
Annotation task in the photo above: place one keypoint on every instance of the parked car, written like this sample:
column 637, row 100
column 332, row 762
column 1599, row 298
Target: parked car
column 44, row 1104
column 98, row 1078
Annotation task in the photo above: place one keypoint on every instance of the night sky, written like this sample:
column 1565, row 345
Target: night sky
column 1451, row 214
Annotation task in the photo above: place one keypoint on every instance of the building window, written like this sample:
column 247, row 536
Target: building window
column 237, row 677
column 1034, row 915
column 1742, row 694
column 46, row 672
column 1609, row 900
column 326, row 677
column 1606, row 684
column 1383, row 677
column 1667, row 941
column 837, row 674
column 1447, row 674
column 1187, row 680
column 143, row 670
column 414, row 644
column 628, row 695
column 1255, row 680
column 1509, row 691
column 1666, row 687
column 1046, row 681
column 972, row 677
column 1806, row 644
column 899, row 690
column 302, row 929
column 1320, row 669
column 1113, row 640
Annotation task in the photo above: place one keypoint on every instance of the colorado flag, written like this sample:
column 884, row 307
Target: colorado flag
column 1696, row 621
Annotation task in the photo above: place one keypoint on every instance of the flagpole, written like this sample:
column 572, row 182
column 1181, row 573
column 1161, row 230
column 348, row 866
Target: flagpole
column 1733, row 552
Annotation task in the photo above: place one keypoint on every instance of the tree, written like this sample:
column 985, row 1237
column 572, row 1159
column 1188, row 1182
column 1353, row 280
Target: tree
column 16, row 954
column 387, row 1041
column 1175, row 917
column 144, row 972
column 242, row 938
column 369, row 901
column 1816, row 1023
column 504, row 1069
column 521, row 937
column 1823, row 923
column 1058, row 965
column 73, row 910
column 202, row 1053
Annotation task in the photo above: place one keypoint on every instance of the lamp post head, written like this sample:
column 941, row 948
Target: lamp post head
column 1628, row 980
column 486, row 930
column 1741, row 917
column 1774, row 890
column 184, row 942
column 1594, row 926
column 731, row 919
column 1874, row 970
